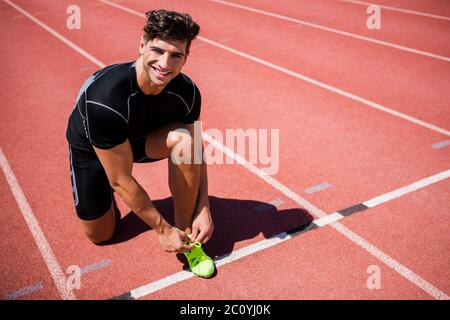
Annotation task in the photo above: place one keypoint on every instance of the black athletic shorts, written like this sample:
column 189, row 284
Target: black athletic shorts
column 91, row 190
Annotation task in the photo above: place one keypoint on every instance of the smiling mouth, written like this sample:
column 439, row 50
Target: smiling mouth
column 161, row 73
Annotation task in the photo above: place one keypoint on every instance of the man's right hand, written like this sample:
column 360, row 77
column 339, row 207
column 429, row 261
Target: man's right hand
column 173, row 239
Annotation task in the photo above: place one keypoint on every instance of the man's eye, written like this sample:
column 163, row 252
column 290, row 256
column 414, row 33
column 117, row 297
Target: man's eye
column 157, row 51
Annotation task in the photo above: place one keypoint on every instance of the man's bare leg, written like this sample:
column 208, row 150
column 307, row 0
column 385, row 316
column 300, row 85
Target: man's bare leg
column 102, row 229
column 184, row 182
column 184, row 178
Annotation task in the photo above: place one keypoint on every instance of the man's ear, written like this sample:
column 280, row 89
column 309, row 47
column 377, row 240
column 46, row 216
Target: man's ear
column 141, row 45
column 185, row 57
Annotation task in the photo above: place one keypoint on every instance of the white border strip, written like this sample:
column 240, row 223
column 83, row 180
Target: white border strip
column 317, row 188
column 336, row 216
column 160, row 284
column 221, row 261
column 24, row 291
column 408, row 189
column 328, row 29
column 42, row 243
column 305, row 78
column 441, row 144
column 403, row 271
column 417, row 13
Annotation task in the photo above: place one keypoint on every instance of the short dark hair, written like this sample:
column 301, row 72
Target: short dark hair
column 170, row 25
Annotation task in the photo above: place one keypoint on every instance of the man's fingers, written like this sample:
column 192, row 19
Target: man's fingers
column 207, row 238
column 184, row 237
column 201, row 236
column 194, row 233
column 184, row 248
column 210, row 232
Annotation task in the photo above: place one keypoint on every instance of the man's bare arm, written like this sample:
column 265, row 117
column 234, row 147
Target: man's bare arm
column 118, row 165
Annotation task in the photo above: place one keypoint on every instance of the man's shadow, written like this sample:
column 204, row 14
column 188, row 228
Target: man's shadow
column 234, row 221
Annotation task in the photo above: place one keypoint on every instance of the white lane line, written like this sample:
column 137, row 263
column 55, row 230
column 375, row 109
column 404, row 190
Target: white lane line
column 276, row 202
column 24, row 291
column 340, row 32
column 305, row 78
column 318, row 187
column 267, row 206
column 417, row 13
column 219, row 262
column 262, row 175
column 317, row 212
column 390, row 262
column 328, row 87
column 96, row 266
column 336, row 216
column 42, row 243
column 408, row 189
column 160, row 284
column 54, row 33
column 441, row 144
column 86, row 68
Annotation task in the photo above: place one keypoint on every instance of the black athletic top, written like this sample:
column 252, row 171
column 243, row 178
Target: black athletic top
column 111, row 108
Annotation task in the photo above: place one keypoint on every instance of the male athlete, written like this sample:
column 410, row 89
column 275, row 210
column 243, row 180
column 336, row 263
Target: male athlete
column 130, row 112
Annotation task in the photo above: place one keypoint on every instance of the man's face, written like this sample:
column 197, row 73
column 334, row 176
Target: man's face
column 162, row 59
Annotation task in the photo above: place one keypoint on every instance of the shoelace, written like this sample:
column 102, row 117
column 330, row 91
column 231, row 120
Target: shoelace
column 193, row 259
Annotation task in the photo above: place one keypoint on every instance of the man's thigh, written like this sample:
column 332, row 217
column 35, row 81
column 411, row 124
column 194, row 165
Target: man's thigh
column 91, row 189
column 160, row 141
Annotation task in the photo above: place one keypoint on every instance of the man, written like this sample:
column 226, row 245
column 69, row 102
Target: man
column 130, row 112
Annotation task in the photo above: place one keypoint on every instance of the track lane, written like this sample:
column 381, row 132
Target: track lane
column 382, row 75
column 438, row 7
column 21, row 265
column 417, row 32
column 413, row 229
column 318, row 265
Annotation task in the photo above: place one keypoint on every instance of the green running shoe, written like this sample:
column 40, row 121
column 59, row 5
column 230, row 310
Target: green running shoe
column 199, row 263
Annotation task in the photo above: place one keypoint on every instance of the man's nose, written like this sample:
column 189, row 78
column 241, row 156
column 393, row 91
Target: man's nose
column 164, row 61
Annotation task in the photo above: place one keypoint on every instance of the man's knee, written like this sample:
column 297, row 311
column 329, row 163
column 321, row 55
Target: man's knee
column 180, row 136
column 98, row 237
column 183, row 147
column 102, row 229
